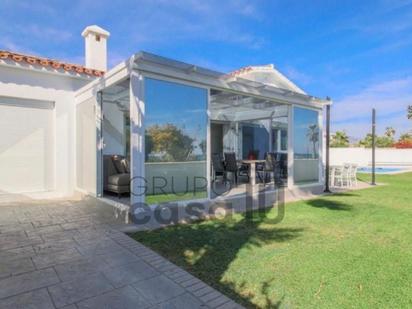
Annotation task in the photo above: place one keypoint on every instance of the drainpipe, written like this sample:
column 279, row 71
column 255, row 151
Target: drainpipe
column 327, row 190
column 373, row 147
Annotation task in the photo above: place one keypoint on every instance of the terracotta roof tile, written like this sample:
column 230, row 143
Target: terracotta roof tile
column 239, row 71
column 45, row 62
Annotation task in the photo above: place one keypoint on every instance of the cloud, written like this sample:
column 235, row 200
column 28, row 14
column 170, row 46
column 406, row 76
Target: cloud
column 11, row 45
column 389, row 98
column 47, row 33
column 163, row 21
column 385, row 18
column 27, row 5
column 297, row 75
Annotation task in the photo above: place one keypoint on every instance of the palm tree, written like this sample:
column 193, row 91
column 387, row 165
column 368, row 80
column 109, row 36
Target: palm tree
column 313, row 135
column 339, row 139
column 410, row 112
column 390, row 132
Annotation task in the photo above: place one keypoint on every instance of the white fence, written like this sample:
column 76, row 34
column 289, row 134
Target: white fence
column 363, row 156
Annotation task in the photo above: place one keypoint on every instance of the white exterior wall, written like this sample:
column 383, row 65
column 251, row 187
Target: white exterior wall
column 363, row 156
column 30, row 84
column 114, row 135
column 86, row 147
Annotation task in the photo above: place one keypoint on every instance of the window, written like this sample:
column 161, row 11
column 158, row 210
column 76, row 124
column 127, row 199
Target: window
column 275, row 139
column 175, row 140
column 280, row 134
column 306, row 145
column 255, row 139
column 284, row 140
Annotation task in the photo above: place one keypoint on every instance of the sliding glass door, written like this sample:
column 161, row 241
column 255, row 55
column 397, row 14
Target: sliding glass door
column 175, row 141
column 306, row 145
column 255, row 138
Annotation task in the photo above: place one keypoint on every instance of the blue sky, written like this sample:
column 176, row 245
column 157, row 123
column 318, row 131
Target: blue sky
column 356, row 52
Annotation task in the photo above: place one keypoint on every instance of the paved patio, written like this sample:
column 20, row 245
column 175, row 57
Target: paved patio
column 71, row 254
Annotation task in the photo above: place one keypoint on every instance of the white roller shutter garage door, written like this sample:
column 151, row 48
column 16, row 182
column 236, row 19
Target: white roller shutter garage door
column 26, row 145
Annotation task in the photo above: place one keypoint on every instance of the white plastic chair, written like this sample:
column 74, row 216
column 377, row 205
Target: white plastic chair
column 338, row 176
column 352, row 175
column 346, row 175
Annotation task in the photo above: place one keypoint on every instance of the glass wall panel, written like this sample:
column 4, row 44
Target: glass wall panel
column 279, row 134
column 255, row 139
column 175, row 141
column 306, row 145
column 283, row 140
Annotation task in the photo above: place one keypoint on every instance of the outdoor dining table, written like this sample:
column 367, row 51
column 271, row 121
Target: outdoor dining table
column 252, row 164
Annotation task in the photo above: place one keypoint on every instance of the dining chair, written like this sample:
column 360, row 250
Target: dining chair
column 282, row 158
column 231, row 164
column 218, row 166
column 271, row 167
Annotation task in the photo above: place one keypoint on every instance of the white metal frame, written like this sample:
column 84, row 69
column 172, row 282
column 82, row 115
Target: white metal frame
column 291, row 151
column 147, row 65
column 99, row 143
column 137, row 144
column 291, row 181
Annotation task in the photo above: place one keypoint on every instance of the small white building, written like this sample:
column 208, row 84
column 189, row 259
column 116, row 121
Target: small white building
column 168, row 119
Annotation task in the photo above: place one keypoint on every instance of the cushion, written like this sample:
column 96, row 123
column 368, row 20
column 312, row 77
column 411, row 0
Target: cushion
column 117, row 161
column 126, row 165
column 119, row 179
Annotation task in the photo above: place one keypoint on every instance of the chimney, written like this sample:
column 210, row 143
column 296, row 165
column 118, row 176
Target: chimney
column 95, row 39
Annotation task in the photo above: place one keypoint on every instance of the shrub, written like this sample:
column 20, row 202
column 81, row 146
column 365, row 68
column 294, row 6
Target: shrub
column 403, row 144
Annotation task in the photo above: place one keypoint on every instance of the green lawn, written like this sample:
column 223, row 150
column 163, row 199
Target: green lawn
column 164, row 198
column 347, row 250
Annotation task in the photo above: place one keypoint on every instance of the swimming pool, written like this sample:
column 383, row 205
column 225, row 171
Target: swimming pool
column 382, row 170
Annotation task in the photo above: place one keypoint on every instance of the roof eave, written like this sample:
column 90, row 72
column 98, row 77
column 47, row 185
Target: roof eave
column 150, row 63
column 47, row 70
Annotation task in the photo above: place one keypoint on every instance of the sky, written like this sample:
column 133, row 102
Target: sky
column 356, row 52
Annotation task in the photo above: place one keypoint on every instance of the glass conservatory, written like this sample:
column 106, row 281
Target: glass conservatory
column 155, row 130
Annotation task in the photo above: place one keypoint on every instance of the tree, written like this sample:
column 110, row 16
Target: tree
column 405, row 137
column 313, row 135
column 339, row 139
column 410, row 112
column 380, row 141
column 405, row 141
column 168, row 143
column 390, row 132
column 367, row 141
column 202, row 146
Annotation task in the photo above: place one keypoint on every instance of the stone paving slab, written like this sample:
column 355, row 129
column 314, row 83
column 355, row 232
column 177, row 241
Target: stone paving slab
column 185, row 301
column 63, row 254
column 129, row 273
column 124, row 298
column 45, row 260
column 18, row 266
column 17, row 253
column 70, row 292
column 26, row 282
column 38, row 299
column 77, row 269
column 158, row 289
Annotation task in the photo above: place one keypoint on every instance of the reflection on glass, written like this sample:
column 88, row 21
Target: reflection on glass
column 279, row 134
column 306, row 145
column 284, row 140
column 306, row 138
column 175, row 140
column 255, row 139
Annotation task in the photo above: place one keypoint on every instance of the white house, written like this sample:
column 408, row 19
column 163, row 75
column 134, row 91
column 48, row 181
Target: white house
column 60, row 122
